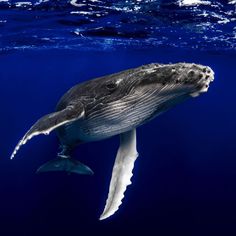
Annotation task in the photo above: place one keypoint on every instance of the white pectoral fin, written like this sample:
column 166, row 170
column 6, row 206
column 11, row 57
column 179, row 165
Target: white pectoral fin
column 122, row 172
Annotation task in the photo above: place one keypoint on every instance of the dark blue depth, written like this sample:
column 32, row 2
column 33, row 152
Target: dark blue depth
column 184, row 179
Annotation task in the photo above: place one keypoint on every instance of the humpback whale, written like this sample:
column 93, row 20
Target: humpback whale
column 116, row 104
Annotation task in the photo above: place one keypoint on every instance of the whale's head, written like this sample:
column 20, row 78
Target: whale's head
column 183, row 79
column 149, row 87
column 163, row 86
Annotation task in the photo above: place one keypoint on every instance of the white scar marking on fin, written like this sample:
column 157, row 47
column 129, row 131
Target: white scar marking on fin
column 122, row 172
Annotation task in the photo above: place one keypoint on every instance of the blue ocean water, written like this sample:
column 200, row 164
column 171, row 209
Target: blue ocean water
column 184, row 179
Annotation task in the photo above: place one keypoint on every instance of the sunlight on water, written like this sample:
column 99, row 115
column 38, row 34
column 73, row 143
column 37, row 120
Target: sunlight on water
column 91, row 24
column 193, row 2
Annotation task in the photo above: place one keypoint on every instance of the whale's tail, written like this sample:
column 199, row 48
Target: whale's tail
column 64, row 162
column 68, row 165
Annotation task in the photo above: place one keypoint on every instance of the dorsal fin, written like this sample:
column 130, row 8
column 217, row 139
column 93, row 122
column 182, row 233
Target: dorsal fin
column 52, row 121
column 122, row 172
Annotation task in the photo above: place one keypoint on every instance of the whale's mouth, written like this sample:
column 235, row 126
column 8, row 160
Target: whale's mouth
column 204, row 83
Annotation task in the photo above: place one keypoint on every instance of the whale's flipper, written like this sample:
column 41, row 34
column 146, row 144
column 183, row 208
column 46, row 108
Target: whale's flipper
column 52, row 121
column 68, row 165
column 122, row 172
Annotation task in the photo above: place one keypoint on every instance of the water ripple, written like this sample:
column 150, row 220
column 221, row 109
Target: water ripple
column 108, row 25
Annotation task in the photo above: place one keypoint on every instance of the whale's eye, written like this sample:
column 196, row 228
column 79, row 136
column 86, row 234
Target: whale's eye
column 111, row 86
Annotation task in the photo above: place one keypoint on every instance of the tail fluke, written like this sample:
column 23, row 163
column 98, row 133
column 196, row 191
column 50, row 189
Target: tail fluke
column 50, row 122
column 68, row 165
